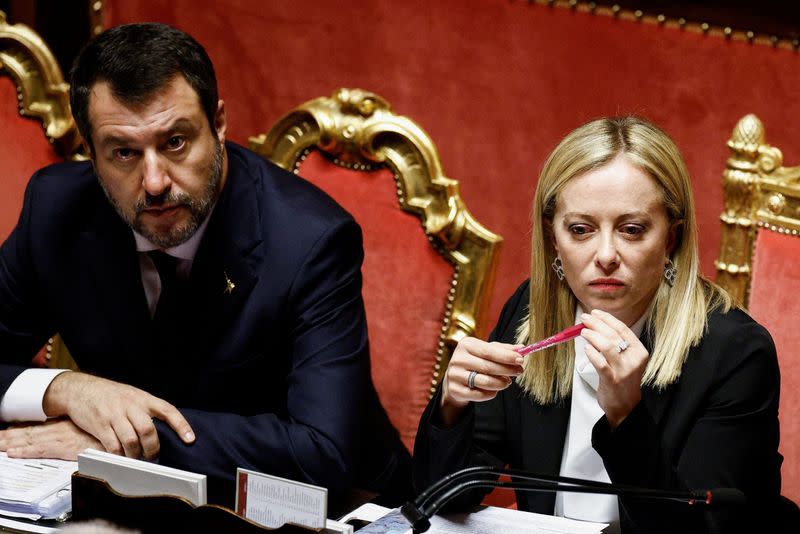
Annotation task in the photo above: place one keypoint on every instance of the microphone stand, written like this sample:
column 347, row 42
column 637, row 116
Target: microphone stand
column 438, row 494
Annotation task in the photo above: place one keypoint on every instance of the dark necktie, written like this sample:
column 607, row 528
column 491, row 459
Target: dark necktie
column 168, row 299
column 170, row 328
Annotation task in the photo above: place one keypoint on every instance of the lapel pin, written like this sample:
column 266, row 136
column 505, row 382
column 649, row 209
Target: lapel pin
column 229, row 285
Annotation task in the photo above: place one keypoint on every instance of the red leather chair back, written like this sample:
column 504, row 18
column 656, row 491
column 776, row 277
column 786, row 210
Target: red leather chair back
column 428, row 264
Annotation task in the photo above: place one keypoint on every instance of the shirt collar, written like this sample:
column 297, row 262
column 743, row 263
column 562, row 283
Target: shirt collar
column 184, row 251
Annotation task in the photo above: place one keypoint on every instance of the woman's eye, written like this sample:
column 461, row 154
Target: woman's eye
column 632, row 229
column 175, row 142
column 579, row 229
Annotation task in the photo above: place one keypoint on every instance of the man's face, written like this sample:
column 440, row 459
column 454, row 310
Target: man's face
column 159, row 162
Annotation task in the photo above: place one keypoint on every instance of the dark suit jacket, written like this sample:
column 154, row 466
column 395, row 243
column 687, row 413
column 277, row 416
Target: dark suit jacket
column 716, row 426
column 273, row 376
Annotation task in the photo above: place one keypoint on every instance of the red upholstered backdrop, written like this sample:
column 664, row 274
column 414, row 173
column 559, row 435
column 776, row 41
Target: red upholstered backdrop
column 22, row 152
column 406, row 285
column 774, row 303
column 496, row 83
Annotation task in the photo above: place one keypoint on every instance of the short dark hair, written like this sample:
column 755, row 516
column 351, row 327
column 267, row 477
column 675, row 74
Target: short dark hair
column 137, row 60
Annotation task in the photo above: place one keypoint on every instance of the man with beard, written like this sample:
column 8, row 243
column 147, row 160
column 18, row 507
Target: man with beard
column 211, row 300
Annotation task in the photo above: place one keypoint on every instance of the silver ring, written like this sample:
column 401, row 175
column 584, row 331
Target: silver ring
column 622, row 346
column 471, row 379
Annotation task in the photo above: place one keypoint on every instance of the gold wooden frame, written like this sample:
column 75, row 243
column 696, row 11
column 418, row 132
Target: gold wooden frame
column 42, row 94
column 759, row 193
column 41, row 90
column 360, row 131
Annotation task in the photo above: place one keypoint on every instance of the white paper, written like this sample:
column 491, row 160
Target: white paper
column 274, row 501
column 19, row 526
column 488, row 520
column 28, row 481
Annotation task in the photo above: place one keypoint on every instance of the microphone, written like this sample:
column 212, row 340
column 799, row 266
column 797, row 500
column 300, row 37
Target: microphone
column 419, row 512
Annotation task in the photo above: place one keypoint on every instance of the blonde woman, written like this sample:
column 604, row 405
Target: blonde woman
column 668, row 386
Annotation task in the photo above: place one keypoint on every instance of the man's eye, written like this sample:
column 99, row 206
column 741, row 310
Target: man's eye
column 123, row 154
column 175, row 142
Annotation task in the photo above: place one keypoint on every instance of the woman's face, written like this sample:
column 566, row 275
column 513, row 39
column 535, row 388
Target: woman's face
column 614, row 237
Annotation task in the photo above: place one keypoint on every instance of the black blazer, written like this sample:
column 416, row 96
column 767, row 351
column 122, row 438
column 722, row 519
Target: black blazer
column 273, row 376
column 717, row 426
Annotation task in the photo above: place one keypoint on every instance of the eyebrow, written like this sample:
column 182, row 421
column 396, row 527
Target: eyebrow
column 178, row 124
column 629, row 215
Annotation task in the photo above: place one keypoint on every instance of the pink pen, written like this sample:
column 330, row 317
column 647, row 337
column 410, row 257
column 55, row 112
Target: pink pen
column 565, row 335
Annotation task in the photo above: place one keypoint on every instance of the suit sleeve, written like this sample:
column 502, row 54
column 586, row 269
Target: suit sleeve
column 479, row 438
column 23, row 325
column 732, row 442
column 327, row 381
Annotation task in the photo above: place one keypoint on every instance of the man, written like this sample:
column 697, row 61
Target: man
column 211, row 300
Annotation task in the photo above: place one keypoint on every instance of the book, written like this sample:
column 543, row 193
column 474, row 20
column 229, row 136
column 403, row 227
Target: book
column 132, row 477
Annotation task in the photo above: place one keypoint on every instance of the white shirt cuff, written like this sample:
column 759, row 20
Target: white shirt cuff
column 24, row 397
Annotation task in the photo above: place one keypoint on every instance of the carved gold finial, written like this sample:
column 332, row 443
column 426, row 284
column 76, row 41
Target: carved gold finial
column 2, row 17
column 747, row 136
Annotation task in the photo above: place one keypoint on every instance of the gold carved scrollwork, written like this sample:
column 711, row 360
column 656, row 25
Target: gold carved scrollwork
column 42, row 92
column 359, row 130
column 759, row 192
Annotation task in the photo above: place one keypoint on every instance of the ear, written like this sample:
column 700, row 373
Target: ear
column 674, row 236
column 220, row 121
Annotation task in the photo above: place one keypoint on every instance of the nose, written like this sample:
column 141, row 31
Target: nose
column 155, row 178
column 607, row 254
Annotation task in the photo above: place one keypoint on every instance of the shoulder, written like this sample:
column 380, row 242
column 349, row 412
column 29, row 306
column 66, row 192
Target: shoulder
column 283, row 194
column 735, row 328
column 736, row 345
column 61, row 195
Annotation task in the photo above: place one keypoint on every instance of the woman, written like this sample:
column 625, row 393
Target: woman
column 669, row 386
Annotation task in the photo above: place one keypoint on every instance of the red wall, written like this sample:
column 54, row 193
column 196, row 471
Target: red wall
column 496, row 83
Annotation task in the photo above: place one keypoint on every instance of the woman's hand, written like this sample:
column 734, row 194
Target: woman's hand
column 493, row 367
column 620, row 359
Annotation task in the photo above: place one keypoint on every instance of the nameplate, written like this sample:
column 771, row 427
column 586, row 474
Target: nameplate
column 274, row 501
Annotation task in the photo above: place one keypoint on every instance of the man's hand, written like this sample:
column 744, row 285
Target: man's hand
column 56, row 438
column 118, row 415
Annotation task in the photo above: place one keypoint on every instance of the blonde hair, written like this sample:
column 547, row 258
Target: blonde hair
column 678, row 314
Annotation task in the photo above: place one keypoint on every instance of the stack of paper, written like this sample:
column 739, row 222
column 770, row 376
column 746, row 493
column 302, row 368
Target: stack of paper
column 35, row 489
column 136, row 477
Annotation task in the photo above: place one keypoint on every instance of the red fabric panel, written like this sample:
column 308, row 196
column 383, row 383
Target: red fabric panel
column 774, row 303
column 405, row 287
column 496, row 84
column 24, row 149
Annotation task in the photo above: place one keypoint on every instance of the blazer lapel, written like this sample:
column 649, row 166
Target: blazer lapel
column 544, row 429
column 225, row 269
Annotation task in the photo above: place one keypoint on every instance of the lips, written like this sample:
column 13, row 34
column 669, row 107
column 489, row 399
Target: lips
column 160, row 210
column 607, row 284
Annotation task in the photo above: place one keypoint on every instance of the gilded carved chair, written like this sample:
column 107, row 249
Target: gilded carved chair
column 759, row 264
column 38, row 129
column 428, row 265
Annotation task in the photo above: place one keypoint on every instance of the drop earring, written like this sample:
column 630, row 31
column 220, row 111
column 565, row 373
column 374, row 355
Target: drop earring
column 558, row 267
column 670, row 273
